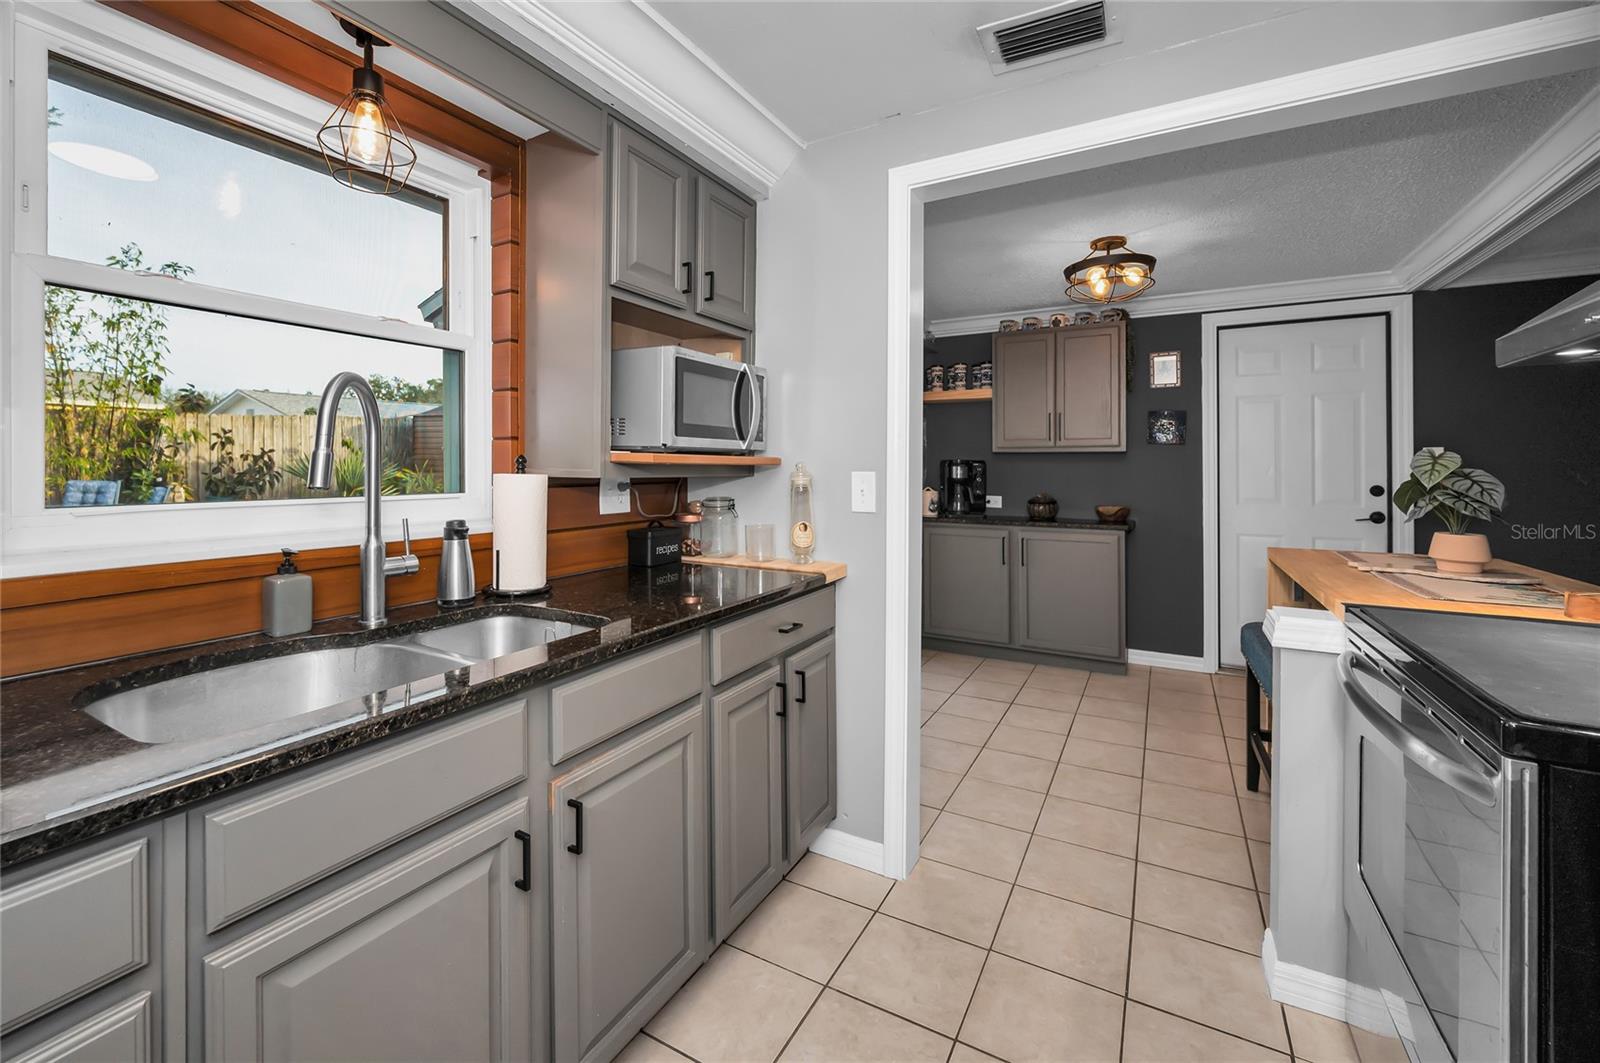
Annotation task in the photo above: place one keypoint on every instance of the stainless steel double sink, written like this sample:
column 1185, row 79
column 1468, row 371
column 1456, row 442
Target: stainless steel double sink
column 238, row 697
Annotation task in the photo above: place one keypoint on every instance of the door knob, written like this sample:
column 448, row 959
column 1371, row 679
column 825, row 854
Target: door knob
column 1374, row 517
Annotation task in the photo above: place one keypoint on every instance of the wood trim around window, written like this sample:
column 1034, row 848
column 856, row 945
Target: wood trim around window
column 64, row 619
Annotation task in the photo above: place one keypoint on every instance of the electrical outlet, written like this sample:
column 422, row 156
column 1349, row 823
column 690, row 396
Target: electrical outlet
column 615, row 496
column 864, row 492
column 991, row 501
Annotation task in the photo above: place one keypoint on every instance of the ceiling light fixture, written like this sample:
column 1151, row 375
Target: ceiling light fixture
column 362, row 141
column 103, row 161
column 1110, row 274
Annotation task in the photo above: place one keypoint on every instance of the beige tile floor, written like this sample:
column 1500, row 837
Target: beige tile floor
column 1092, row 886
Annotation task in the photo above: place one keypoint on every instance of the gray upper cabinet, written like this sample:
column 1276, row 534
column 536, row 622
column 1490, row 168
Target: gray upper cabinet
column 651, row 198
column 966, row 583
column 426, row 957
column 1024, row 386
column 1069, row 592
column 810, row 745
column 628, row 867
column 1091, row 388
column 725, row 253
column 748, row 796
column 1061, row 389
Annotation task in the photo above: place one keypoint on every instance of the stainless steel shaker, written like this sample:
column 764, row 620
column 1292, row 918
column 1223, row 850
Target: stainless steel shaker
column 456, row 584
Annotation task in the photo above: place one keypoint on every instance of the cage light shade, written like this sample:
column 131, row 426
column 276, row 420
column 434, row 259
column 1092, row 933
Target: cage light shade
column 1110, row 274
column 365, row 146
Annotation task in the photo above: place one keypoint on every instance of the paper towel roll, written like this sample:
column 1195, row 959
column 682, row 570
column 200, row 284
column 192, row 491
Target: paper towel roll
column 521, row 513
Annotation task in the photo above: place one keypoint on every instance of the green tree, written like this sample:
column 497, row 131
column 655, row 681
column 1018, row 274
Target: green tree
column 105, row 364
column 396, row 389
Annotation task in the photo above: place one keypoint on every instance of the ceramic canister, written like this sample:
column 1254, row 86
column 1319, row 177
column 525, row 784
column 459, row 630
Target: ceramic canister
column 956, row 379
column 983, row 375
column 935, row 381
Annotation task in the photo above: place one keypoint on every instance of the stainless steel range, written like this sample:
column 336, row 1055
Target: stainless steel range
column 1472, row 834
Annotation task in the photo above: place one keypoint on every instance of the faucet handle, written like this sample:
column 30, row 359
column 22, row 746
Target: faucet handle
column 405, row 534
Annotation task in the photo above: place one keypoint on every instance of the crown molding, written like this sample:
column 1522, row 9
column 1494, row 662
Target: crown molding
column 1354, row 286
column 628, row 57
column 1557, row 170
column 1582, row 262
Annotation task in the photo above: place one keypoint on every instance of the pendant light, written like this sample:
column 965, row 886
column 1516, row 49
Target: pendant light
column 362, row 141
column 1110, row 274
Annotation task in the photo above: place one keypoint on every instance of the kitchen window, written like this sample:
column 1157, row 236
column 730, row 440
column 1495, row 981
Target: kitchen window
column 186, row 277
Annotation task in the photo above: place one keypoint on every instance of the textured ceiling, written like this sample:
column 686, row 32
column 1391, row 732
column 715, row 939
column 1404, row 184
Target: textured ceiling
column 825, row 67
column 1572, row 237
column 1328, row 200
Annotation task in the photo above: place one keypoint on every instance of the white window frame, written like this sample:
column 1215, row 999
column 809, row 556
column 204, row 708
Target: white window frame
column 35, row 539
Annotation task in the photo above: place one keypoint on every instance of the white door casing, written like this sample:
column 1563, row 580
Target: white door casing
column 1302, row 441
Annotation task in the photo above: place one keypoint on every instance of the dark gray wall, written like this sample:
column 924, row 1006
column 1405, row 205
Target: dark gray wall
column 1537, row 427
column 1160, row 483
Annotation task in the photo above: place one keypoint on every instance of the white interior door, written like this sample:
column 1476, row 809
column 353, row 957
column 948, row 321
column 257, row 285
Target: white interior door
column 1302, row 451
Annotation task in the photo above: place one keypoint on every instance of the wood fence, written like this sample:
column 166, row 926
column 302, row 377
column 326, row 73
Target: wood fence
column 288, row 436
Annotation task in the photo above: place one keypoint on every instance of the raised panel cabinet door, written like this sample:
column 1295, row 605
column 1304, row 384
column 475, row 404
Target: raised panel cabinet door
column 1070, row 593
column 725, row 253
column 1091, row 389
column 122, row 1033
column 1024, row 391
column 427, row 957
column 747, row 798
column 966, row 590
column 810, row 744
column 650, row 203
column 628, row 868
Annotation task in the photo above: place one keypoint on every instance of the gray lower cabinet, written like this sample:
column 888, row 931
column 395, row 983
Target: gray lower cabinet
column 425, row 957
column 747, row 789
column 966, row 586
column 810, row 745
column 628, row 883
column 1070, row 592
column 121, row 1033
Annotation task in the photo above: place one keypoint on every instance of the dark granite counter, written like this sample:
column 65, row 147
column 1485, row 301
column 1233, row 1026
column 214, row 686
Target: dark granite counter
column 65, row 776
column 1022, row 520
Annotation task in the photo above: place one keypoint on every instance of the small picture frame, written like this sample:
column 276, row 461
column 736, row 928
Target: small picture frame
column 1168, row 427
column 1166, row 369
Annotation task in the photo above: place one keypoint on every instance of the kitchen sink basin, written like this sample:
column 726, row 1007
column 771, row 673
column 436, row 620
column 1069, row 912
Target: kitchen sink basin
column 493, row 636
column 238, row 697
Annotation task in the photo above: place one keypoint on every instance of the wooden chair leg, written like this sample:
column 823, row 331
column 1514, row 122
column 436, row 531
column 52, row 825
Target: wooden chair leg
column 1252, row 727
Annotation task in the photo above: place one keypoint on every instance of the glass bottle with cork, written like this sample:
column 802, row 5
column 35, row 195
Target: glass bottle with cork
column 802, row 533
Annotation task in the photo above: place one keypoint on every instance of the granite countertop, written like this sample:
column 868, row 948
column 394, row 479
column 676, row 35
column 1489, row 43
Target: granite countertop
column 1023, row 520
column 65, row 776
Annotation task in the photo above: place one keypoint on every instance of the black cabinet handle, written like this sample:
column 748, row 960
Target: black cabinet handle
column 711, row 285
column 790, row 628
column 800, row 699
column 1024, row 553
column 783, row 699
column 1003, row 539
column 576, row 848
column 525, row 883
column 688, row 277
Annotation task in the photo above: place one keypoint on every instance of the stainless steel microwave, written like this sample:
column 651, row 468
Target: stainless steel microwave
column 670, row 398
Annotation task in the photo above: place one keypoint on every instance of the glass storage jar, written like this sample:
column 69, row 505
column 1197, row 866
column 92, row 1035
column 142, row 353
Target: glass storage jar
column 719, row 527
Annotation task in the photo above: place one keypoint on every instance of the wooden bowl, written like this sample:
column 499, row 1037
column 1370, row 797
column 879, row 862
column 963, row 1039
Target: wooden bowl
column 1112, row 514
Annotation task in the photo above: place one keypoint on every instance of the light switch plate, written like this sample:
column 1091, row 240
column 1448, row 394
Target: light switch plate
column 864, row 492
column 991, row 501
column 615, row 496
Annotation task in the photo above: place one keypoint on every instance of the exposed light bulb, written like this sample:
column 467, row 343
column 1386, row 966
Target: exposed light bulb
column 1096, row 275
column 1134, row 275
column 1101, row 287
column 367, row 139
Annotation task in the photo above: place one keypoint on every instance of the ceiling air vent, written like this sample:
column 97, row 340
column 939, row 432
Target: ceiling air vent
column 1040, row 36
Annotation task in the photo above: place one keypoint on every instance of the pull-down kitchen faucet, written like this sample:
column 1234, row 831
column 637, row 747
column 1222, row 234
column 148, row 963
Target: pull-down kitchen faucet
column 376, row 567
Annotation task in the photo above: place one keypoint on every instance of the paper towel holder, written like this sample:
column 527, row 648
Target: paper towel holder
column 493, row 589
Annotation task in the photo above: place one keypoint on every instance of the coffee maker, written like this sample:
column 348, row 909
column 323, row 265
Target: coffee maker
column 963, row 487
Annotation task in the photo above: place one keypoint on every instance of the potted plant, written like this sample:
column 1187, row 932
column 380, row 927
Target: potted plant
column 1441, row 485
column 248, row 478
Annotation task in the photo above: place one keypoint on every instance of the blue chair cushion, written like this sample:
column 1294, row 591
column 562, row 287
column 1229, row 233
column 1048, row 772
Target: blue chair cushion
column 1257, row 654
column 91, row 493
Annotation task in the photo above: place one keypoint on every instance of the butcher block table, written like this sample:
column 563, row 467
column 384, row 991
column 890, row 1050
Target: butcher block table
column 1323, row 579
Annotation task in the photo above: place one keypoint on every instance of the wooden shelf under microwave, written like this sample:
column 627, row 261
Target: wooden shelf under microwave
column 969, row 395
column 655, row 457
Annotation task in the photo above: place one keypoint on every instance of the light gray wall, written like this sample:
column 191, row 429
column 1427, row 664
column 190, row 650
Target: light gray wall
column 822, row 298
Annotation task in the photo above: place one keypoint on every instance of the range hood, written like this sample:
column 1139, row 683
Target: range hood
column 1567, row 332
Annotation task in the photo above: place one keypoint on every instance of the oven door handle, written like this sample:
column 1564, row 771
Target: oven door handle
column 1477, row 783
column 746, row 378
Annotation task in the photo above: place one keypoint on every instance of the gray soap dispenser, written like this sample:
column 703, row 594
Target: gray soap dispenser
column 286, row 599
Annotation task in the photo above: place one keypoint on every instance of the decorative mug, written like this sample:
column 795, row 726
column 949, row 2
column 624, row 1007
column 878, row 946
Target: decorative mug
column 1010, row 325
column 957, row 377
column 983, row 375
column 1029, row 324
column 935, row 381
column 1083, row 317
column 1060, row 320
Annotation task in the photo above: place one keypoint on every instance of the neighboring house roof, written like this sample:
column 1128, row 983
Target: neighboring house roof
column 295, row 403
column 432, row 308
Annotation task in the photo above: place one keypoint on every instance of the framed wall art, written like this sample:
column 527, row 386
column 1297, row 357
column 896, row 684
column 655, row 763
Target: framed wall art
column 1166, row 369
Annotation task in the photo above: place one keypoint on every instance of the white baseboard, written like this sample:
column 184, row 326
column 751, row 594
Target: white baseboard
column 1325, row 994
column 847, row 848
column 1167, row 660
